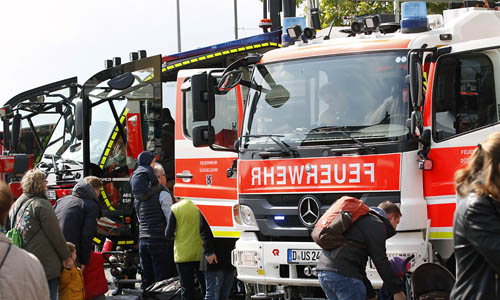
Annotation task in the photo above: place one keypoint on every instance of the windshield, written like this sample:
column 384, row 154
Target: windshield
column 329, row 100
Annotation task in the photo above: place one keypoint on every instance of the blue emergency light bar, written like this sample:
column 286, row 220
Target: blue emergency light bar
column 414, row 17
column 271, row 38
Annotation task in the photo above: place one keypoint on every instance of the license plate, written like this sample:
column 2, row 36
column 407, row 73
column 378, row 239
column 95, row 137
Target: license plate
column 301, row 256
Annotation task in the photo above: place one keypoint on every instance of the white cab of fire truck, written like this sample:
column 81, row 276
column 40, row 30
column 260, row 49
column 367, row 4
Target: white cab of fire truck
column 388, row 113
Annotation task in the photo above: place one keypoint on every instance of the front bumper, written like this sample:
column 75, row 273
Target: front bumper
column 266, row 262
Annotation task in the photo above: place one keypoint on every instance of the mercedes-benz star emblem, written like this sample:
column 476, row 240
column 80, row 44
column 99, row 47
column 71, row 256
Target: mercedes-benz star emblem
column 309, row 210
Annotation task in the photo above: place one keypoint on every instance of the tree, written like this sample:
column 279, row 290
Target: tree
column 341, row 12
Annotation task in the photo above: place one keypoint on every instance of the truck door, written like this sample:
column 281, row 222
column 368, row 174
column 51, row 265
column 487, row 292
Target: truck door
column 201, row 173
column 461, row 109
column 125, row 106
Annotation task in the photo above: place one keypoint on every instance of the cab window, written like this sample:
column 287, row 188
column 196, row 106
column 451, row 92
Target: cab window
column 464, row 94
column 225, row 122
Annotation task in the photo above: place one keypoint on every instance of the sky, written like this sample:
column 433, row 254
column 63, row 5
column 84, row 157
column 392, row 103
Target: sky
column 47, row 41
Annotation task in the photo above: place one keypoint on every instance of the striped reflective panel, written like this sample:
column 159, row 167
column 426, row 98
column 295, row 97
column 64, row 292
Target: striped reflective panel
column 112, row 140
column 125, row 242
column 106, row 200
column 217, row 54
column 44, row 144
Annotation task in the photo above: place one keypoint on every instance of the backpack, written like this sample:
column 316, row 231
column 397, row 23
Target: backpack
column 14, row 234
column 329, row 230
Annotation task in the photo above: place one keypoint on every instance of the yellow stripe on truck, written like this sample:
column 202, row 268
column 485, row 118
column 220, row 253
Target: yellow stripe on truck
column 233, row 234
column 217, row 54
column 440, row 235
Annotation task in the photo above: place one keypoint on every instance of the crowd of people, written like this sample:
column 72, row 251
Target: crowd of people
column 54, row 244
column 53, row 257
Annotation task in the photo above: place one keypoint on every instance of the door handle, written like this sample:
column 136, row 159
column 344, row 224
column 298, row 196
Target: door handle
column 184, row 176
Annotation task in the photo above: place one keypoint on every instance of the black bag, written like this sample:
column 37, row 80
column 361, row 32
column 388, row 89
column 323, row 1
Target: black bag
column 169, row 289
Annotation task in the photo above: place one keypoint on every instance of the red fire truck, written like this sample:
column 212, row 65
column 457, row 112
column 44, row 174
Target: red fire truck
column 388, row 112
column 128, row 108
column 38, row 125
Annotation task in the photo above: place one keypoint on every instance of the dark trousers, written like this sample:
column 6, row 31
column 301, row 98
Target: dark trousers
column 157, row 261
column 187, row 273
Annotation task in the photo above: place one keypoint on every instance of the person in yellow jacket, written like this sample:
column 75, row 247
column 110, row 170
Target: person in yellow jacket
column 184, row 230
column 71, row 281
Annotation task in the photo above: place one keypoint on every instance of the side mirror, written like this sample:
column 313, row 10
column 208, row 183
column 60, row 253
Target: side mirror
column 75, row 147
column 237, row 145
column 414, row 79
column 79, row 120
column 203, row 136
column 16, row 129
column 203, row 100
column 416, row 124
column 277, row 96
column 229, row 81
column 122, row 82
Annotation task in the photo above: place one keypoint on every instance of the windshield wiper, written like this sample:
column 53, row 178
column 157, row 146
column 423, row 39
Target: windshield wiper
column 275, row 138
column 329, row 129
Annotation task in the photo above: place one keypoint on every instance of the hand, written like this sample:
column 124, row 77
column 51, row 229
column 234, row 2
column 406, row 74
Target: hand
column 400, row 296
column 82, row 267
column 68, row 263
column 212, row 259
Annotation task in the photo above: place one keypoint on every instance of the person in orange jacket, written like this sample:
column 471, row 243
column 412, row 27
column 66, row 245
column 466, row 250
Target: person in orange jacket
column 71, row 280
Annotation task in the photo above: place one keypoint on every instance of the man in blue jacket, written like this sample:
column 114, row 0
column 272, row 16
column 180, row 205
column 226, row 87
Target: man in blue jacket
column 152, row 223
column 78, row 214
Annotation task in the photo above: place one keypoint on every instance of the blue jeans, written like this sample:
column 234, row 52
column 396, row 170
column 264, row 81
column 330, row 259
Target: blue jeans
column 53, row 288
column 157, row 261
column 340, row 287
column 219, row 284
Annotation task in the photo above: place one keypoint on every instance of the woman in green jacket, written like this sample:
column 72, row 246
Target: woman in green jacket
column 33, row 216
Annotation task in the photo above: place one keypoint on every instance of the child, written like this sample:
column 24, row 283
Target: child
column 397, row 267
column 94, row 278
column 71, row 281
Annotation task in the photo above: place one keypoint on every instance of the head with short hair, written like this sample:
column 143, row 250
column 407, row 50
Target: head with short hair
column 392, row 211
column 160, row 173
column 71, row 247
column 33, row 182
column 72, row 250
column 6, row 200
column 482, row 174
column 95, row 182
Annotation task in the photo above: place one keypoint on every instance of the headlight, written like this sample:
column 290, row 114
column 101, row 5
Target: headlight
column 243, row 215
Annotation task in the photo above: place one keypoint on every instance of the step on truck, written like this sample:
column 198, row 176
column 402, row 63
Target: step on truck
column 388, row 112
